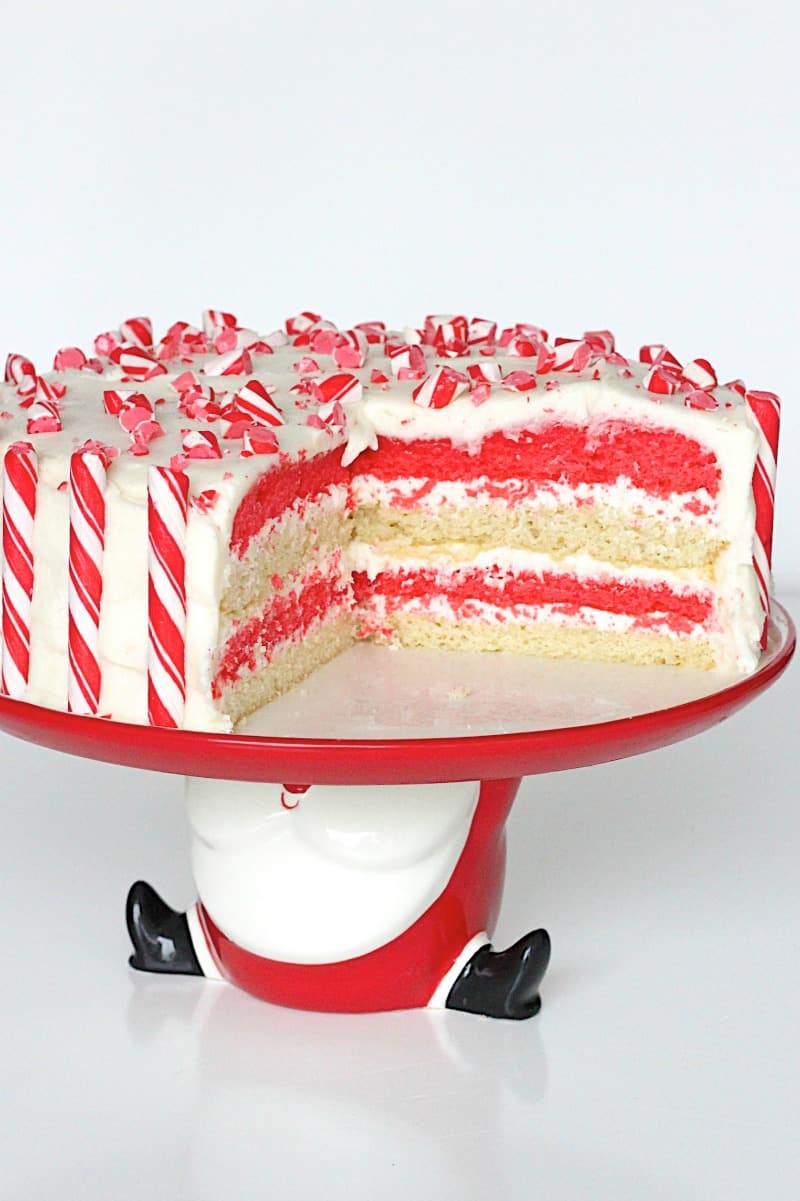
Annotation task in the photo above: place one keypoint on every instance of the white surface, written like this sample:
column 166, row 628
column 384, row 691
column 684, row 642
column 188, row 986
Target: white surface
column 388, row 692
column 664, row 1065
column 583, row 165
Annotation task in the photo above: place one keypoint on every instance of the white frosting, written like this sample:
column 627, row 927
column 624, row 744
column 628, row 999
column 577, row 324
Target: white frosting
column 696, row 508
column 383, row 410
column 514, row 560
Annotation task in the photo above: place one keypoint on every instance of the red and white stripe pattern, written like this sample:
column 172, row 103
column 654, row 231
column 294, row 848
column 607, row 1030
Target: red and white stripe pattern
column 138, row 331
column 448, row 335
column 440, row 388
column 482, row 333
column 167, row 510
column 407, row 360
column 255, row 401
column 302, row 323
column 234, row 362
column 766, row 408
column 136, row 363
column 216, row 320
column 43, row 418
column 342, row 386
column 87, row 521
column 700, row 374
column 201, row 444
column 351, row 349
column 20, row 476
column 21, row 373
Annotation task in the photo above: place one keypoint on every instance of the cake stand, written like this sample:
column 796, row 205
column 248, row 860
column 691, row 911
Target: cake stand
column 348, row 841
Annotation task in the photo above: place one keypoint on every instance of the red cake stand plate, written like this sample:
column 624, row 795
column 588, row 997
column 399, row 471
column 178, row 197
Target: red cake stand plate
column 348, row 841
column 557, row 734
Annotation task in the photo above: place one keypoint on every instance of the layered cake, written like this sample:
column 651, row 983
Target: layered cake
column 194, row 525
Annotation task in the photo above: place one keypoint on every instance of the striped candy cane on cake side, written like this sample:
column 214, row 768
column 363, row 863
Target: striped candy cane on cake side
column 167, row 512
column 20, row 477
column 87, row 520
column 766, row 408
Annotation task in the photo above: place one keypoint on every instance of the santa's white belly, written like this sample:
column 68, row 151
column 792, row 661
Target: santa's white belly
column 344, row 871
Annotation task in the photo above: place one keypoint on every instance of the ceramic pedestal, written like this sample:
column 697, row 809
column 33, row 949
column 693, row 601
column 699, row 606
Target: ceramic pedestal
column 345, row 897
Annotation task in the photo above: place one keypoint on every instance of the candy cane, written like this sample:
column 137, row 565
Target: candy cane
column 87, row 520
column 167, row 509
column 766, row 408
column 19, row 510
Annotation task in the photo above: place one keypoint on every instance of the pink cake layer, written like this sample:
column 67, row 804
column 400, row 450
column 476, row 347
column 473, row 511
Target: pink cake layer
column 660, row 462
column 286, row 617
column 649, row 604
column 301, row 480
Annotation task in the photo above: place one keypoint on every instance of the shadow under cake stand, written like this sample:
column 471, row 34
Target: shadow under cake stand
column 348, row 840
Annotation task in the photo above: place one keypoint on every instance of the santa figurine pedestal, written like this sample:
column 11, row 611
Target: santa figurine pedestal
column 348, row 841
column 347, row 898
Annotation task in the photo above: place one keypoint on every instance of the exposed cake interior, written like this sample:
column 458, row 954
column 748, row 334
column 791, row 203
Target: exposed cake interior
column 597, row 541
column 288, row 602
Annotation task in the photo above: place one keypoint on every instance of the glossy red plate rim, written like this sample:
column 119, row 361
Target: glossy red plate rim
column 394, row 760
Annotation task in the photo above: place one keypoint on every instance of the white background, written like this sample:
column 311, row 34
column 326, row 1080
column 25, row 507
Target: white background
column 629, row 165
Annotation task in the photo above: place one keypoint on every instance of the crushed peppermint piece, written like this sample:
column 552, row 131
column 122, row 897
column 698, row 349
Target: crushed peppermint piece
column 447, row 335
column 200, row 444
column 373, row 331
column 116, row 399
column 306, row 366
column 301, row 323
column 138, row 331
column 43, row 418
column 70, row 358
column 519, row 381
column 342, row 387
column 215, row 321
column 351, row 349
column 405, row 357
column 136, row 363
column 600, row 341
column 257, row 440
column 700, row 374
column 660, row 381
column 235, row 362
column 657, row 355
column 105, row 344
column 254, row 401
column 700, row 399
column 571, row 354
column 204, row 501
column 440, row 388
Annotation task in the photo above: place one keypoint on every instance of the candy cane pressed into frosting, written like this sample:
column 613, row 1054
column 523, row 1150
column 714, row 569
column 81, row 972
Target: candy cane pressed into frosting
column 87, row 521
column 20, row 475
column 766, row 408
column 167, row 509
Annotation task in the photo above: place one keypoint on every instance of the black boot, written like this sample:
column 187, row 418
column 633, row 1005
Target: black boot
column 160, row 936
column 503, row 984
